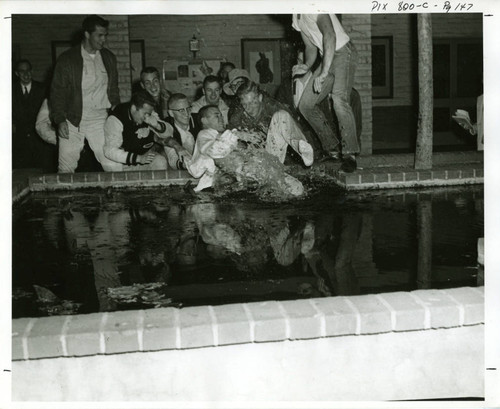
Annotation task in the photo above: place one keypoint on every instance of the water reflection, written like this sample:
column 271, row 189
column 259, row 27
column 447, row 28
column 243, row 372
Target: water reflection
column 218, row 253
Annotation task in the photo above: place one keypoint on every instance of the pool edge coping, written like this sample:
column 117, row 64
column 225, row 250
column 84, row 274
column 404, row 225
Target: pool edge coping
column 244, row 323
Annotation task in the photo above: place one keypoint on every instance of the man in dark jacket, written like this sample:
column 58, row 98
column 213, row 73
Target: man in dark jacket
column 28, row 150
column 130, row 132
column 84, row 88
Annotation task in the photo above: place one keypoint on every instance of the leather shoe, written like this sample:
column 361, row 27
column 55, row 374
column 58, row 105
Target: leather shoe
column 349, row 164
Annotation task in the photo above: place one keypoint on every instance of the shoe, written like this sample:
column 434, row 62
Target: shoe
column 349, row 164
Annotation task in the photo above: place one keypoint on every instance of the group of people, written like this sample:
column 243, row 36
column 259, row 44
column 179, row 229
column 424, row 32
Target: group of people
column 158, row 130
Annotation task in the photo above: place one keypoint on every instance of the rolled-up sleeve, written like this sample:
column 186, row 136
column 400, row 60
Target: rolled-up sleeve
column 113, row 140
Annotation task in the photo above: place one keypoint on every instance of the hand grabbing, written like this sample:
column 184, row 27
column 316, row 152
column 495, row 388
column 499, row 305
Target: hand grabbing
column 318, row 83
column 63, row 130
column 299, row 69
column 147, row 158
column 152, row 120
column 183, row 154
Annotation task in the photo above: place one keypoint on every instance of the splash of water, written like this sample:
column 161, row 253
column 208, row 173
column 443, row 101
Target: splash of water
column 257, row 171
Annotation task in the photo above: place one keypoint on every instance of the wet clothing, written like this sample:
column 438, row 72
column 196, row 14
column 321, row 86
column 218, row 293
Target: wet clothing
column 210, row 145
column 241, row 120
column 125, row 140
column 276, row 128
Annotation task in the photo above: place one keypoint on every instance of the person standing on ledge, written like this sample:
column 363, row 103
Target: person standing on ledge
column 84, row 88
column 324, row 33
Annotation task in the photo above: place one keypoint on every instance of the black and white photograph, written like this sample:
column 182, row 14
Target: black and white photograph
column 291, row 205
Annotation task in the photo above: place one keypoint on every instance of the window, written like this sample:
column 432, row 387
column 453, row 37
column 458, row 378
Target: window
column 458, row 75
column 382, row 67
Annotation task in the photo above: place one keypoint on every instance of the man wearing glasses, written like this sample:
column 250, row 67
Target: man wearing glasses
column 179, row 148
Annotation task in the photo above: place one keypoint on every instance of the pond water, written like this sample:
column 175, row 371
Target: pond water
column 97, row 250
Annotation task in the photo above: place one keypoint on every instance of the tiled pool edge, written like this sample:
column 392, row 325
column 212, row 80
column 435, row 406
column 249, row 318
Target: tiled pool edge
column 374, row 178
column 406, row 178
column 213, row 326
column 66, row 181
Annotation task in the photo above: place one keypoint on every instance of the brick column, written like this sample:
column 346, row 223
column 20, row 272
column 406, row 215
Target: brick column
column 358, row 26
column 119, row 43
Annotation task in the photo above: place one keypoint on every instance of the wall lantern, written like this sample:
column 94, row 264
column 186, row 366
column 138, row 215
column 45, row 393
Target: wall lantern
column 194, row 46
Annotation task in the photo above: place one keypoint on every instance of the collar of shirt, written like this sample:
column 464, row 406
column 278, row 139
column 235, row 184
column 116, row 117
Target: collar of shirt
column 181, row 130
column 28, row 87
column 222, row 105
column 87, row 55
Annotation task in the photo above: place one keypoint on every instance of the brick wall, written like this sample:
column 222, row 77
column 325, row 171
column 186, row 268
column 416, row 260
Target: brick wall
column 34, row 35
column 118, row 42
column 167, row 36
column 457, row 25
column 403, row 29
column 358, row 26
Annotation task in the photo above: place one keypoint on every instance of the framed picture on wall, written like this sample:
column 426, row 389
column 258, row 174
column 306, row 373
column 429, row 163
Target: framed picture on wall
column 262, row 59
column 382, row 67
column 137, row 59
column 58, row 47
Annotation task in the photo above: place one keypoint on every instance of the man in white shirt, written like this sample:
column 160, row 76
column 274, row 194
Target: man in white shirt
column 211, row 96
column 212, row 143
column 84, row 87
column 324, row 33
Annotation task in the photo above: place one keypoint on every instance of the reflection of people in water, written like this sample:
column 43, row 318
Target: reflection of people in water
column 100, row 234
column 331, row 251
column 326, row 244
column 262, row 66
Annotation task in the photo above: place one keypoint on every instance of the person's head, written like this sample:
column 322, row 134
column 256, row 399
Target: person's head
column 150, row 81
column 211, row 118
column 179, row 108
column 224, row 70
column 141, row 106
column 212, row 89
column 95, row 31
column 23, row 71
column 235, row 78
column 250, row 98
